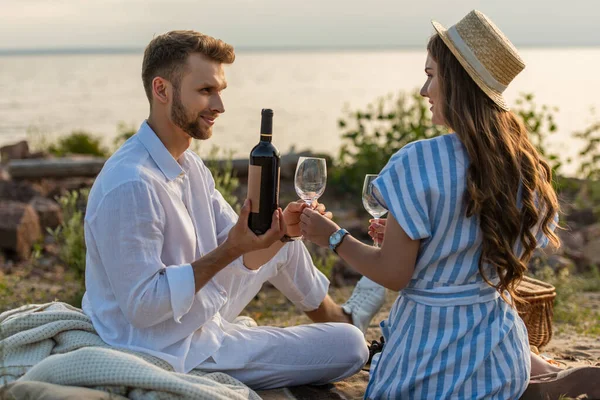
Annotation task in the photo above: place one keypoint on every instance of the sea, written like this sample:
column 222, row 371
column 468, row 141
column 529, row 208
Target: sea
column 46, row 95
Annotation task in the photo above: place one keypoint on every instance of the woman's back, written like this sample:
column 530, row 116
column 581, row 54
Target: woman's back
column 447, row 320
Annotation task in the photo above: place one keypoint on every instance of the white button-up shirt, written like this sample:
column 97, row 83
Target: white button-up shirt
column 148, row 217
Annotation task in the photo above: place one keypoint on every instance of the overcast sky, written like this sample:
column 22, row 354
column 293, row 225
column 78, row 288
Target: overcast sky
column 41, row 24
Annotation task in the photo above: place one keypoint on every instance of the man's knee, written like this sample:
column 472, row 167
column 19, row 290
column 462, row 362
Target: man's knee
column 351, row 345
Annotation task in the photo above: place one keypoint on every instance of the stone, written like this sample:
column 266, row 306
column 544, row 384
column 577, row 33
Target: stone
column 4, row 176
column 583, row 216
column 571, row 240
column 19, row 228
column 592, row 232
column 19, row 191
column 59, row 187
column 17, row 151
column 591, row 252
column 559, row 263
column 48, row 211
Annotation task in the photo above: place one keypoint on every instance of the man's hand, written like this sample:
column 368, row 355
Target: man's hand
column 293, row 211
column 242, row 239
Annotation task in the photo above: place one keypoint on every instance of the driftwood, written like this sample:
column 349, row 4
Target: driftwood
column 82, row 167
column 55, row 168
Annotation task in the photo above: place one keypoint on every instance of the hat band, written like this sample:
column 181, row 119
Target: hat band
column 471, row 58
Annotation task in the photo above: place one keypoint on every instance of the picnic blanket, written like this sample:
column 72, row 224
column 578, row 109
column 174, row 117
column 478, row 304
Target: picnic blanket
column 56, row 343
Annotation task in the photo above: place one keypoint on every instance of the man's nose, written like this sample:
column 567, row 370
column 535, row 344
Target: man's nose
column 217, row 104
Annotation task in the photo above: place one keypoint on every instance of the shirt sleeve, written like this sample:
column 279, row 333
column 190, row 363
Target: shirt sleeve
column 127, row 230
column 402, row 189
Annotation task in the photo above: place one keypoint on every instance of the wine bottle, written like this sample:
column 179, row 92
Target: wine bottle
column 263, row 177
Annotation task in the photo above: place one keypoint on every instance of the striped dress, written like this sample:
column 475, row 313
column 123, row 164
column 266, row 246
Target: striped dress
column 449, row 335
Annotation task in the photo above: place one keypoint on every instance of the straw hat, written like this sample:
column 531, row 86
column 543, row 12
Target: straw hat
column 484, row 52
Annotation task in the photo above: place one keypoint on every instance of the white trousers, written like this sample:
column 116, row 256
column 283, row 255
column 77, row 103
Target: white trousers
column 268, row 357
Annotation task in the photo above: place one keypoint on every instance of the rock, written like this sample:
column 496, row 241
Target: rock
column 59, row 187
column 48, row 211
column 559, row 263
column 556, row 262
column 17, row 151
column 582, row 217
column 4, row 176
column 19, row 191
column 342, row 275
column 591, row 252
column 19, row 228
column 578, row 258
column 592, row 232
column 571, row 240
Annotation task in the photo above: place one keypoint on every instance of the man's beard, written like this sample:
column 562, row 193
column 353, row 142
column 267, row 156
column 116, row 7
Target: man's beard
column 179, row 118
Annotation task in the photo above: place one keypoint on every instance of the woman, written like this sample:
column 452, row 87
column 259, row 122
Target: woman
column 467, row 210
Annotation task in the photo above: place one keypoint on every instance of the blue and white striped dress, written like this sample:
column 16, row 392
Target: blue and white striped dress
column 449, row 335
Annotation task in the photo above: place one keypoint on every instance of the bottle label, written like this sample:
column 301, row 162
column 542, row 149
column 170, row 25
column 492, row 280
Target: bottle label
column 254, row 181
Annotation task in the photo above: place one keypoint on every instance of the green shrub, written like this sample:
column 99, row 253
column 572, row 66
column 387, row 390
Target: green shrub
column 325, row 263
column 69, row 235
column 224, row 175
column 371, row 137
column 540, row 124
column 590, row 154
column 124, row 132
column 78, row 142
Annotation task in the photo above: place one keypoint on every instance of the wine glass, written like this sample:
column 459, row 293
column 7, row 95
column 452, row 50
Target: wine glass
column 370, row 202
column 310, row 178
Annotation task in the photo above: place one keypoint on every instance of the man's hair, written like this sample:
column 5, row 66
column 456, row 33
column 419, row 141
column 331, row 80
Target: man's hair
column 166, row 55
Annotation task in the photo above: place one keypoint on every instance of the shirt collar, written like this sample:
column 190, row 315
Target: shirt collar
column 159, row 153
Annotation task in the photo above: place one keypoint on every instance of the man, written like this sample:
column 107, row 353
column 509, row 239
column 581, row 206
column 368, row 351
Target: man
column 169, row 264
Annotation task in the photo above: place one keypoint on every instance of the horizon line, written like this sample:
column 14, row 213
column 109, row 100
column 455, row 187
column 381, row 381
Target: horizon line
column 278, row 48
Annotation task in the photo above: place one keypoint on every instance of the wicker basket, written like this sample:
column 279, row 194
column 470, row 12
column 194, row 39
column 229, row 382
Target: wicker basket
column 538, row 311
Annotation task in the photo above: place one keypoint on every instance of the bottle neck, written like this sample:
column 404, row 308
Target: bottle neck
column 266, row 128
column 266, row 137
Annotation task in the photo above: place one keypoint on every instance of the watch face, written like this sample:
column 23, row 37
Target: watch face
column 334, row 238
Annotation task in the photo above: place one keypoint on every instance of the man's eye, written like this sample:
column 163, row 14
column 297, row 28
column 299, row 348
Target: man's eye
column 204, row 90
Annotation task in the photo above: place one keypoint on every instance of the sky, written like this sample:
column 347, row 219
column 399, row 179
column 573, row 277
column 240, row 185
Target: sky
column 57, row 24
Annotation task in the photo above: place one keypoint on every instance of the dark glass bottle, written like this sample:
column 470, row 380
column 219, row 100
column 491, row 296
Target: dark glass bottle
column 263, row 177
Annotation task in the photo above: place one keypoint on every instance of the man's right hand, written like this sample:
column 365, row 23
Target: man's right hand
column 242, row 239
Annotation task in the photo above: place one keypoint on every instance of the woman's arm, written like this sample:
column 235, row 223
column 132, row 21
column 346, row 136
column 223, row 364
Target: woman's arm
column 391, row 266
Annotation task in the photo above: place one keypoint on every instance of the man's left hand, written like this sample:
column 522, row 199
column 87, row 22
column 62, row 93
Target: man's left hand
column 293, row 211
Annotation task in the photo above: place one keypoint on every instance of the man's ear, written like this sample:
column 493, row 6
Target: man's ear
column 161, row 89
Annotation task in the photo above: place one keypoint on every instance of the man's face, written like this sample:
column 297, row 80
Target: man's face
column 197, row 99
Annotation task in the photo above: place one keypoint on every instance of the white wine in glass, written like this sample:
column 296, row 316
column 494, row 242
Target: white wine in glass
column 370, row 202
column 311, row 178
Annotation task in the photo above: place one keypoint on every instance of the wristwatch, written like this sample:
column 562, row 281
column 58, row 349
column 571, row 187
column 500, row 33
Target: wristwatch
column 336, row 239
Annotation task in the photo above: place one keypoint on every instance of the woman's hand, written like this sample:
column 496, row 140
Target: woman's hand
column 377, row 229
column 293, row 211
column 317, row 227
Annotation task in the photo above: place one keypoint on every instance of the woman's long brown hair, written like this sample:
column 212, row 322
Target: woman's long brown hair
column 502, row 162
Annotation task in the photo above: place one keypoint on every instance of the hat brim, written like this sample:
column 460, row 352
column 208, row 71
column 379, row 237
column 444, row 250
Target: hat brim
column 496, row 96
